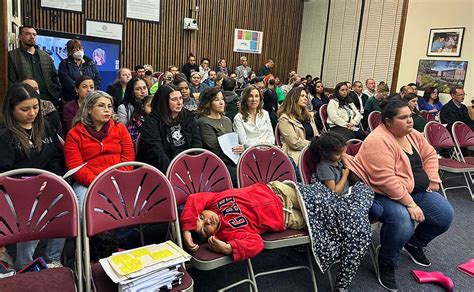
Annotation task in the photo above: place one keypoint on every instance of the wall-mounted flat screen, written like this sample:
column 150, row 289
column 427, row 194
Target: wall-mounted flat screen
column 104, row 52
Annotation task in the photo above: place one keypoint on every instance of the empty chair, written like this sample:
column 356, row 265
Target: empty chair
column 438, row 136
column 34, row 208
column 463, row 137
column 118, row 198
column 375, row 119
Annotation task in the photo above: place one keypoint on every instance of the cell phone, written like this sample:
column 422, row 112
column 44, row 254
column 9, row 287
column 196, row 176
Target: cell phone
column 37, row 265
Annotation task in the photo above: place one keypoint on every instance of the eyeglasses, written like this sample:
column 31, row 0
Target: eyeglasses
column 460, row 94
column 104, row 107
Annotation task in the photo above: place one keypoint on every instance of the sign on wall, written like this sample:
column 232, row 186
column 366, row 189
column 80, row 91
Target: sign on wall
column 248, row 41
column 106, row 30
column 71, row 5
column 149, row 10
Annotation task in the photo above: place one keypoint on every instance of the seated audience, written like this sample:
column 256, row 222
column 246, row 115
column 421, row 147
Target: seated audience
column 455, row 110
column 83, row 86
column 243, row 72
column 95, row 142
column 75, row 66
column 418, row 121
column 430, row 101
column 213, row 123
column 358, row 97
column 133, row 100
column 204, row 69
column 117, row 89
column 138, row 117
column 402, row 168
column 189, row 67
column 343, row 116
column 222, row 67
column 211, row 79
column 373, row 103
column 252, row 123
column 196, row 86
column 47, row 107
column 27, row 140
column 189, row 102
column 296, row 125
column 266, row 68
column 370, row 87
column 168, row 131
column 231, row 98
column 270, row 101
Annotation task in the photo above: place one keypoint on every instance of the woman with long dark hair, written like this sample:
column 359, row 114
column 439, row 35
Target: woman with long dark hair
column 343, row 116
column 83, row 86
column 27, row 140
column 132, row 103
column 168, row 130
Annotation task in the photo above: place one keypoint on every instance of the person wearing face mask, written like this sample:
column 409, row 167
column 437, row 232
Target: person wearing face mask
column 75, row 66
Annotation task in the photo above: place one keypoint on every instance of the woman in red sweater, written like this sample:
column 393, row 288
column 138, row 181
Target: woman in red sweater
column 96, row 141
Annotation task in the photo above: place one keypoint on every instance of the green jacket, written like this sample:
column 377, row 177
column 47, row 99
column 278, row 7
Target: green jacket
column 19, row 68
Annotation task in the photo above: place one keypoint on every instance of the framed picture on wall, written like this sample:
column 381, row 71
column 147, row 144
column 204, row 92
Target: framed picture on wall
column 445, row 42
column 442, row 74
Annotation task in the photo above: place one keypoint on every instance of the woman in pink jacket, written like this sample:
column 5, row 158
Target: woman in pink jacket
column 402, row 168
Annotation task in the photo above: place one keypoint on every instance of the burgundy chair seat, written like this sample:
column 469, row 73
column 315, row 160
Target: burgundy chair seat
column 451, row 163
column 469, row 160
column 289, row 233
column 104, row 284
column 205, row 254
column 51, row 280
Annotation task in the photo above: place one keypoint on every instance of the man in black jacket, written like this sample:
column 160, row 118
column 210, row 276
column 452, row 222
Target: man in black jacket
column 455, row 110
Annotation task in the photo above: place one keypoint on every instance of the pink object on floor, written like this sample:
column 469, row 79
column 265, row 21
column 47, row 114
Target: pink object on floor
column 467, row 267
column 433, row 277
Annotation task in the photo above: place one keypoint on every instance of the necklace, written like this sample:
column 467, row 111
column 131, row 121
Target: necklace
column 30, row 137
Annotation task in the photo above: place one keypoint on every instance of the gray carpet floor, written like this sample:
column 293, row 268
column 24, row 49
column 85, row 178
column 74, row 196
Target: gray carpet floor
column 446, row 252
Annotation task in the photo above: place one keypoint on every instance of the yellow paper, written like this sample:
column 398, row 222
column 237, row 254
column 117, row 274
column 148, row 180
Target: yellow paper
column 162, row 254
column 140, row 252
column 120, row 259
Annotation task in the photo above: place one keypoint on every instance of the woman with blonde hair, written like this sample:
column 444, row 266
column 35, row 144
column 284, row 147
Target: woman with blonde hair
column 295, row 123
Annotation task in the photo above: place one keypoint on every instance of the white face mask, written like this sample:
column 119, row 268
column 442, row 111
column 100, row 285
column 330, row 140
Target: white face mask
column 78, row 55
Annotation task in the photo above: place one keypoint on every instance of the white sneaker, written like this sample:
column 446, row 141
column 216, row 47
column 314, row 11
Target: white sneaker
column 55, row 264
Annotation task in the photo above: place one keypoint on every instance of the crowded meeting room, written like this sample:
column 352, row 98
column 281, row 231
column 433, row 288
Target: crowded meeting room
column 236, row 145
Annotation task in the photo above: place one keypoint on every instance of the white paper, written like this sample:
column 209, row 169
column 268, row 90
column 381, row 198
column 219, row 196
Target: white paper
column 227, row 142
column 73, row 171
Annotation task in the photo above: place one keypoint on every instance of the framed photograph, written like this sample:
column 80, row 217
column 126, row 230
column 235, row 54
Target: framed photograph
column 441, row 74
column 445, row 42
column 248, row 41
column 148, row 10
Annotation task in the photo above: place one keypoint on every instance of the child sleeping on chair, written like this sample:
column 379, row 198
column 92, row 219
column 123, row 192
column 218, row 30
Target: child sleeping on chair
column 232, row 220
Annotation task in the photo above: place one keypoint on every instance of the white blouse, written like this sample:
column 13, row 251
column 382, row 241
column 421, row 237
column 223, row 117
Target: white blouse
column 251, row 133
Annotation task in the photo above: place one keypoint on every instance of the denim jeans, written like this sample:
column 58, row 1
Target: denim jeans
column 398, row 228
column 80, row 192
column 25, row 251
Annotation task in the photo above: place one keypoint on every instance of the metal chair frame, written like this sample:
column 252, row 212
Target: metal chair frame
column 185, row 184
column 78, row 241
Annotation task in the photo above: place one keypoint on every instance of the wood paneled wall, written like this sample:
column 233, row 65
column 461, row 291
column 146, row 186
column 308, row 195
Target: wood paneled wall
column 165, row 43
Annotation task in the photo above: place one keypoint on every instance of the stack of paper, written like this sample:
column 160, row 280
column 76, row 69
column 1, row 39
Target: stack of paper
column 146, row 268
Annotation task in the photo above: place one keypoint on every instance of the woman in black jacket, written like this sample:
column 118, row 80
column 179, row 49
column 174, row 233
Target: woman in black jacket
column 27, row 140
column 75, row 66
column 168, row 130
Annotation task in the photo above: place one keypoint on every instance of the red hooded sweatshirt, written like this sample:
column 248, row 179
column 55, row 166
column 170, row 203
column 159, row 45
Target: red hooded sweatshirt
column 244, row 214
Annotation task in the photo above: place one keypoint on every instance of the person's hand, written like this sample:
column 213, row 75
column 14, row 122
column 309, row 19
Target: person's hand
column 345, row 172
column 219, row 246
column 238, row 149
column 188, row 241
column 416, row 214
column 350, row 125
